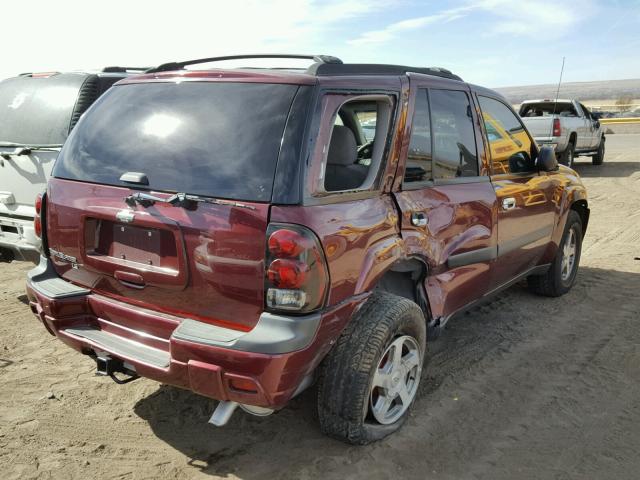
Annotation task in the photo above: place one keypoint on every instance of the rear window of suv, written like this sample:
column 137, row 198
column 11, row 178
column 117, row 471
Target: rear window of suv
column 38, row 110
column 204, row 138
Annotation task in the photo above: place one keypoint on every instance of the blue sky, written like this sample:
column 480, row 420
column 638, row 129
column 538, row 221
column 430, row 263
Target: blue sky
column 489, row 42
column 501, row 43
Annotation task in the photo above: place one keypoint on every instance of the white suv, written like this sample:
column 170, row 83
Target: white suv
column 37, row 112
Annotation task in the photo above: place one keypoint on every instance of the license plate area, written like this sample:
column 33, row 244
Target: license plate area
column 131, row 244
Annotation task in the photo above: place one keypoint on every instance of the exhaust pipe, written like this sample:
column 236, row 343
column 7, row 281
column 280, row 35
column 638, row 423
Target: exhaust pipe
column 224, row 410
column 222, row 413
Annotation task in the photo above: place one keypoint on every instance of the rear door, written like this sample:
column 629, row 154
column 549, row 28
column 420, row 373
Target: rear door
column 526, row 198
column 216, row 141
column 447, row 202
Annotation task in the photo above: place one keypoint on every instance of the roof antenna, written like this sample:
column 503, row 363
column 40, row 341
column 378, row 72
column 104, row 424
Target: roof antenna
column 555, row 104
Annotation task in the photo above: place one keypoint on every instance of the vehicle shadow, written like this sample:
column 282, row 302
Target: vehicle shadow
column 37, row 161
column 289, row 444
column 612, row 169
column 23, row 299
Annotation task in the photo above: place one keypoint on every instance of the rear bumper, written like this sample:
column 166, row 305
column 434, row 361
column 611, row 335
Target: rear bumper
column 18, row 237
column 557, row 143
column 276, row 357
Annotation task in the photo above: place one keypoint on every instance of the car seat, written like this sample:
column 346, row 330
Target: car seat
column 342, row 172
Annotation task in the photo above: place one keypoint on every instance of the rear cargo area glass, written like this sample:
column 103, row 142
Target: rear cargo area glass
column 204, row 138
column 38, row 110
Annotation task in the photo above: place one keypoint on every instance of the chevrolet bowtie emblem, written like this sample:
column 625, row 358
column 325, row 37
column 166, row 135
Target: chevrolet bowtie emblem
column 125, row 216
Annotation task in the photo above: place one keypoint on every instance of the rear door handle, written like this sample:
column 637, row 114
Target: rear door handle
column 128, row 279
column 419, row 219
column 509, row 203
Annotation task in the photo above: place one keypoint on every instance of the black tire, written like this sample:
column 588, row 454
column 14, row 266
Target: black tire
column 598, row 158
column 552, row 283
column 567, row 157
column 346, row 375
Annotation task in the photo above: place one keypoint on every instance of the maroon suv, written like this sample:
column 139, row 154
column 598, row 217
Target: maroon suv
column 244, row 233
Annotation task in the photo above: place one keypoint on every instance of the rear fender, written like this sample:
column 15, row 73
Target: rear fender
column 386, row 264
column 378, row 260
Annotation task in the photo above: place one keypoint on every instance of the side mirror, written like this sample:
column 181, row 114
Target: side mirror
column 520, row 163
column 547, row 161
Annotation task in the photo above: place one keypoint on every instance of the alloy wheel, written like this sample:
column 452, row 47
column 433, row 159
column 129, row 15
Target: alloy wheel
column 569, row 251
column 396, row 379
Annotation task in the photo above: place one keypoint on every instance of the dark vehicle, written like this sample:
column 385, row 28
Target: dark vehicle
column 235, row 233
column 37, row 112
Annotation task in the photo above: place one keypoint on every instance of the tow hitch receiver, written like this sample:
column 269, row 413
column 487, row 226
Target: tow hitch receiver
column 107, row 366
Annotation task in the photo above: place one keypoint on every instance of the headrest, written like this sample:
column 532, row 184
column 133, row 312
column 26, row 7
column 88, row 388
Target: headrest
column 343, row 149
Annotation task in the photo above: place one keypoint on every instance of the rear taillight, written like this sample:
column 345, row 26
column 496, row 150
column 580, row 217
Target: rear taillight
column 37, row 221
column 557, row 131
column 296, row 274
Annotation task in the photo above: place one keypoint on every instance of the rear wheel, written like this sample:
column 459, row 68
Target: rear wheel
column 370, row 379
column 598, row 158
column 567, row 157
column 563, row 271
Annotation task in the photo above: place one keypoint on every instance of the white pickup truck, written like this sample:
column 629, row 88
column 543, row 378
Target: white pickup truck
column 37, row 112
column 566, row 125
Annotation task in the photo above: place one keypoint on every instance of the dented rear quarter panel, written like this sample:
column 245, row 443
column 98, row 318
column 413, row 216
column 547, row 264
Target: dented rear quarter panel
column 360, row 239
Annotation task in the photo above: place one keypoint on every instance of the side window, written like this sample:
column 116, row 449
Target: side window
column 454, row 144
column 357, row 143
column 419, row 157
column 512, row 151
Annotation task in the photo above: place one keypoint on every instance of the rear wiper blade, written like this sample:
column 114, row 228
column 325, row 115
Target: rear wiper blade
column 183, row 200
column 33, row 146
column 22, row 149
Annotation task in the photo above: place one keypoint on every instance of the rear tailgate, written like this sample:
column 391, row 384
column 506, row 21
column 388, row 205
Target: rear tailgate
column 22, row 178
column 34, row 111
column 539, row 127
column 218, row 142
column 205, row 264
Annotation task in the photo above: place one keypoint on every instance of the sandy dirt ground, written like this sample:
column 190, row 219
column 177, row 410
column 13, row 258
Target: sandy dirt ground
column 523, row 387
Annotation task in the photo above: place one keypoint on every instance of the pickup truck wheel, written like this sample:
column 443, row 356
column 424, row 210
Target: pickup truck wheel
column 598, row 158
column 563, row 271
column 566, row 158
column 370, row 378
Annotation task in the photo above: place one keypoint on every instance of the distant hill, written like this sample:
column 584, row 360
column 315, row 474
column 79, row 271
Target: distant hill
column 609, row 90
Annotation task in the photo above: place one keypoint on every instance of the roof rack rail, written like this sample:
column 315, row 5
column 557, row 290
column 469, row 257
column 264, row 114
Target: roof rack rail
column 326, row 69
column 115, row 69
column 38, row 74
column 318, row 59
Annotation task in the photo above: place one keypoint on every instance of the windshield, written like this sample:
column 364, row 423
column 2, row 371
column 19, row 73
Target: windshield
column 204, row 138
column 38, row 110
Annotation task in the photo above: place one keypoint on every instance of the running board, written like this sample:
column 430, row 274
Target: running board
column 122, row 347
